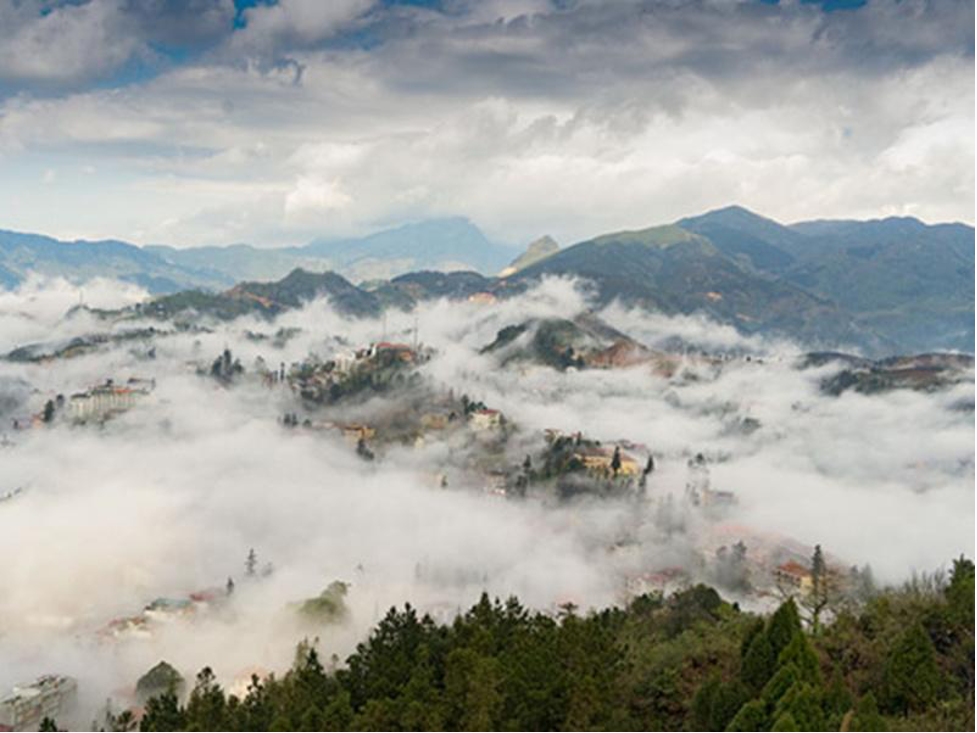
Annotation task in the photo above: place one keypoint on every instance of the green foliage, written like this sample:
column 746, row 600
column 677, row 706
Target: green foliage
column 751, row 717
column 759, row 662
column 785, row 722
column 800, row 654
column 912, row 679
column 866, row 716
column 784, row 625
column 687, row 662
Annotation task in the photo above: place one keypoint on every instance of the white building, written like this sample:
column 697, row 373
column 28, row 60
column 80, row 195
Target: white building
column 26, row 706
column 107, row 399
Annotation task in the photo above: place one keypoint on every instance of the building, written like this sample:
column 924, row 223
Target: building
column 793, row 576
column 665, row 582
column 485, row 419
column 103, row 401
column 50, row 696
column 400, row 351
column 355, row 433
column 599, row 460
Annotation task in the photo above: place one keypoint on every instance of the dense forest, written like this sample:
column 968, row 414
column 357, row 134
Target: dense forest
column 903, row 659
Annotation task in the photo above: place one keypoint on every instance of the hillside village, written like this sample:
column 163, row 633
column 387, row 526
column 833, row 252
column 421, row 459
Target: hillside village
column 377, row 399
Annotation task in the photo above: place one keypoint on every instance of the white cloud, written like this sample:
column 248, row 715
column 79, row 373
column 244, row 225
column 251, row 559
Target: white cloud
column 572, row 122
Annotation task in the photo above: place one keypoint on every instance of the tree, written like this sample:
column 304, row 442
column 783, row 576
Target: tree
column 911, row 677
column 649, row 465
column 363, row 451
column 758, row 665
column 785, row 723
column 866, row 716
column 784, row 624
column 206, row 707
column 800, row 654
column 616, row 460
column 751, row 717
column 163, row 713
column 823, row 593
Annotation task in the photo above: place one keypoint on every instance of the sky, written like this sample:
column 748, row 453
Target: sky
column 198, row 122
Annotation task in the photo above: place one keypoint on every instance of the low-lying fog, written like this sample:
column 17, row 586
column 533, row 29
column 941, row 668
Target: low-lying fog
column 169, row 497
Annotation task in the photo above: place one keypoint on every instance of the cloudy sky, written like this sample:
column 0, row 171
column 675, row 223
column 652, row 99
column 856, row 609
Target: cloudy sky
column 221, row 121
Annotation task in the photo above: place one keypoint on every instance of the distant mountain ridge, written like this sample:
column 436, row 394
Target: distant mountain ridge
column 886, row 286
column 437, row 244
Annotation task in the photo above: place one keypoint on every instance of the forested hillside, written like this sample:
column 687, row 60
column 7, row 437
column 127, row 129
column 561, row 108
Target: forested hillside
column 902, row 659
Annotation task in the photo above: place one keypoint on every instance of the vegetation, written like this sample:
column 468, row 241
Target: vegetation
column 902, row 661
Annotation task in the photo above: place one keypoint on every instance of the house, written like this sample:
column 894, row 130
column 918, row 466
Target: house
column 354, row 433
column 483, row 298
column 485, row 419
column 108, row 399
column 599, row 460
column 49, row 696
column 664, row 581
column 400, row 351
column 792, row 575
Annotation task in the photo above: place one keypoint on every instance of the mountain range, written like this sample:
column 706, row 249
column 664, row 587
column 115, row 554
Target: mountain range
column 886, row 286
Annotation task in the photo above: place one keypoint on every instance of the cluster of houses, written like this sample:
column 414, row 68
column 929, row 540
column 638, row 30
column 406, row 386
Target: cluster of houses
column 324, row 381
column 26, row 706
column 162, row 611
column 96, row 404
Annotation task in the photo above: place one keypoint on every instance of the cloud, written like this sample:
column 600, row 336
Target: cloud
column 61, row 45
column 573, row 120
column 168, row 498
column 294, row 22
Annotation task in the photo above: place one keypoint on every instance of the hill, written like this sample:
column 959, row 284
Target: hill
column 438, row 244
column 675, row 270
column 536, row 251
column 908, row 282
column 22, row 255
column 898, row 659
column 268, row 298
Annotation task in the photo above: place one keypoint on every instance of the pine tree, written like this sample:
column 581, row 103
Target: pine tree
column 751, row 717
column 703, row 702
column 785, row 723
column 778, row 686
column 759, row 664
column 163, row 713
column 866, row 716
column 784, row 624
column 800, row 653
column 912, row 679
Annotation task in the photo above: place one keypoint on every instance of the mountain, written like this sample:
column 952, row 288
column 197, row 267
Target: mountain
column 22, row 255
column 536, row 251
column 237, row 262
column 885, row 286
column 268, row 298
column 675, row 270
column 751, row 240
column 908, row 282
column 438, row 244
column 404, row 291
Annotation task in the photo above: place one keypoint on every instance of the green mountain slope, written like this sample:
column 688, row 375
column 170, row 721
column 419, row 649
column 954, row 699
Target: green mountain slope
column 677, row 271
